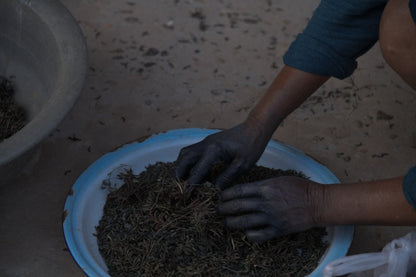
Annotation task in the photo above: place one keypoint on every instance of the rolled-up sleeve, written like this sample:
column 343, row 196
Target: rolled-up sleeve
column 338, row 33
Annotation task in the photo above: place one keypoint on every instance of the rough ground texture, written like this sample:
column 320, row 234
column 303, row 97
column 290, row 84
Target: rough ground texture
column 209, row 71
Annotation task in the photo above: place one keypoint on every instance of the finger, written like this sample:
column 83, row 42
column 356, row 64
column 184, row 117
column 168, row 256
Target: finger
column 240, row 206
column 202, row 167
column 248, row 221
column 186, row 159
column 262, row 235
column 241, row 191
column 235, row 169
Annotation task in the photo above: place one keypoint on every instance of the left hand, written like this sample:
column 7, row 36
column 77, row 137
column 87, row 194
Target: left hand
column 272, row 207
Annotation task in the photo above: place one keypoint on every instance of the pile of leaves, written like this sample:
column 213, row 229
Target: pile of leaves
column 155, row 225
column 12, row 116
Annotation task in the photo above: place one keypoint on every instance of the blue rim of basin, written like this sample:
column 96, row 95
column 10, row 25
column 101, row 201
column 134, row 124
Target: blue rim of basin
column 75, row 238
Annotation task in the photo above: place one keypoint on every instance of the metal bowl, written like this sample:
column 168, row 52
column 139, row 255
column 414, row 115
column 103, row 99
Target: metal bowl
column 84, row 205
column 43, row 49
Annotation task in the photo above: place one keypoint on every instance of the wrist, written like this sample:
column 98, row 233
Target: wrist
column 261, row 122
column 289, row 89
column 318, row 199
column 379, row 202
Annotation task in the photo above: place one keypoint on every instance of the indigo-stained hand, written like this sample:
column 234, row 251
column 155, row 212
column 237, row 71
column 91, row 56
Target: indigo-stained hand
column 240, row 147
column 270, row 208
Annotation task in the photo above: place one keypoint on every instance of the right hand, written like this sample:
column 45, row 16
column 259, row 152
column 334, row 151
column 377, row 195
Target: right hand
column 273, row 207
column 240, row 147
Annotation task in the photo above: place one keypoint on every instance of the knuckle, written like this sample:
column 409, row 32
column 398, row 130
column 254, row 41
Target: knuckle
column 213, row 147
column 237, row 205
column 264, row 189
column 196, row 175
column 263, row 207
column 238, row 191
column 184, row 151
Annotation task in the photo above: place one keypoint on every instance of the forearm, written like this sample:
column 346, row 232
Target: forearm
column 374, row 203
column 289, row 89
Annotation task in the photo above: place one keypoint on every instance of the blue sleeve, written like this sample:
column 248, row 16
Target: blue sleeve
column 409, row 187
column 412, row 8
column 338, row 33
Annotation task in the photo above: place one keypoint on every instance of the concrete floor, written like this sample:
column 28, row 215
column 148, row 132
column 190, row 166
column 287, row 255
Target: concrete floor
column 207, row 72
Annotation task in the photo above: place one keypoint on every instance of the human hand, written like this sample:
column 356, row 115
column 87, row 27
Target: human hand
column 272, row 207
column 240, row 147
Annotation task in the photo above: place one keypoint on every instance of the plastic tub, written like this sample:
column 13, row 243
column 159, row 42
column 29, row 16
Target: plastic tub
column 42, row 46
column 84, row 207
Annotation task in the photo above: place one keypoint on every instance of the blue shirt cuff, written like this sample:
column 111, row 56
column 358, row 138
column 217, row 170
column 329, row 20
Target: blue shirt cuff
column 409, row 187
column 412, row 7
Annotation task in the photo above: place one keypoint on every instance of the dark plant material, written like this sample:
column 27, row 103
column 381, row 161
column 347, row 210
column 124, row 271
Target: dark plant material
column 155, row 225
column 12, row 116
